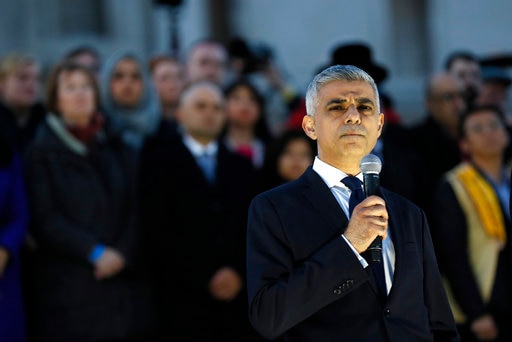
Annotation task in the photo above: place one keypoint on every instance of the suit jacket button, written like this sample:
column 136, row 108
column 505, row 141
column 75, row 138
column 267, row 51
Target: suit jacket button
column 339, row 289
column 387, row 312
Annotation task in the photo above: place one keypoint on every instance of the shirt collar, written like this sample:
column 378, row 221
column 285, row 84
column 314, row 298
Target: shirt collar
column 197, row 149
column 331, row 175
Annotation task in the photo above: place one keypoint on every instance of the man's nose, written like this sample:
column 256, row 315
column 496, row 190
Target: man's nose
column 353, row 114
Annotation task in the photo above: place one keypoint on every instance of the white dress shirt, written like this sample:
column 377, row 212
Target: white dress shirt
column 205, row 155
column 197, row 149
column 332, row 178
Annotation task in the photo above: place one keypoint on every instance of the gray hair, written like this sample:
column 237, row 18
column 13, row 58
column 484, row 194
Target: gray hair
column 337, row 73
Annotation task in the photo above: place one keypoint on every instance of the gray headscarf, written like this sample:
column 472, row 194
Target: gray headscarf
column 133, row 123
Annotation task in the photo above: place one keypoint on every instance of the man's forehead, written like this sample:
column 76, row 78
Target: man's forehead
column 201, row 93
column 445, row 82
column 346, row 89
column 464, row 64
column 208, row 50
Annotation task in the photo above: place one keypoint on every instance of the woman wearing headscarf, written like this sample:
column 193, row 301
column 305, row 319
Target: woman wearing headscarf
column 129, row 99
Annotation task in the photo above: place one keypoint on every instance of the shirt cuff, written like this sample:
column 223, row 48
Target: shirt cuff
column 362, row 260
column 96, row 253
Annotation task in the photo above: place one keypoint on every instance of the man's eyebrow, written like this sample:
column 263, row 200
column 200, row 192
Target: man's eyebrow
column 359, row 100
column 364, row 100
column 335, row 101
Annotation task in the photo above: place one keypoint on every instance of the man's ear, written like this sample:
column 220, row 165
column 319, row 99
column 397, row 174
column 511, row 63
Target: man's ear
column 381, row 123
column 308, row 125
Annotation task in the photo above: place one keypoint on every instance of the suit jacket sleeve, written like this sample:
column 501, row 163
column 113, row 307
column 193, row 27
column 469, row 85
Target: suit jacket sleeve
column 413, row 236
column 441, row 317
column 14, row 217
column 279, row 298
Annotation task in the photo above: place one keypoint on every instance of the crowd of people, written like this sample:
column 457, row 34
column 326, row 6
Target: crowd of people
column 127, row 185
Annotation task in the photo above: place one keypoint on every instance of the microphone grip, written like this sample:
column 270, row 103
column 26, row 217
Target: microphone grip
column 371, row 185
column 375, row 249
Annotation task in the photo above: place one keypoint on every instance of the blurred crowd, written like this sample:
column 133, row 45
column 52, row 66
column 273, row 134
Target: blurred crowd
column 125, row 185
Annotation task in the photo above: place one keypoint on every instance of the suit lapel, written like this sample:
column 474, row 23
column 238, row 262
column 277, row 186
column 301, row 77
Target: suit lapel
column 328, row 208
column 323, row 201
column 401, row 239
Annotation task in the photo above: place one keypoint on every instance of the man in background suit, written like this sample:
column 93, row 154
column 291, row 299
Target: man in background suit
column 307, row 277
column 195, row 222
column 435, row 139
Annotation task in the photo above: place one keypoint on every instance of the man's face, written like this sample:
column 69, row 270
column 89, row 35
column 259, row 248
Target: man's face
column 485, row 135
column 201, row 113
column 493, row 92
column 346, row 124
column 207, row 62
column 446, row 101
column 168, row 80
column 468, row 74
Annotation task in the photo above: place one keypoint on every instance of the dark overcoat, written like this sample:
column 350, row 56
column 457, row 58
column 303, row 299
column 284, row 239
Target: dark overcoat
column 79, row 199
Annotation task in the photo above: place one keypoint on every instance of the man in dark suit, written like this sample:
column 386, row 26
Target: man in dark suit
column 403, row 170
column 307, row 276
column 435, row 139
column 195, row 222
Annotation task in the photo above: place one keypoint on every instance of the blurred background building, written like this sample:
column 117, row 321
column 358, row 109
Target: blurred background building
column 411, row 38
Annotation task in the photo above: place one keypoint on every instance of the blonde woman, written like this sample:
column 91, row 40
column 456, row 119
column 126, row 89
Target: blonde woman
column 21, row 110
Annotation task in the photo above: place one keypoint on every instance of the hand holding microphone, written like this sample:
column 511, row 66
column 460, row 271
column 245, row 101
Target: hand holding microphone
column 368, row 216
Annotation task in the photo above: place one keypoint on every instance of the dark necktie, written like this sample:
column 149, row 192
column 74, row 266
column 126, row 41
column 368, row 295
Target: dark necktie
column 356, row 192
column 356, row 196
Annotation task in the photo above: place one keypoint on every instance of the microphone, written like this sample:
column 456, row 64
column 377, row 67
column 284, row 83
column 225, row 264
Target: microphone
column 370, row 167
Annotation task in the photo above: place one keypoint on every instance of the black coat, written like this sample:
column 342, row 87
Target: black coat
column 78, row 201
column 438, row 151
column 17, row 135
column 193, row 229
column 304, row 280
column 403, row 172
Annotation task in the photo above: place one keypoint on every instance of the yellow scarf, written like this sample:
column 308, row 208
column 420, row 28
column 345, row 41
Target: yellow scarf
column 485, row 201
